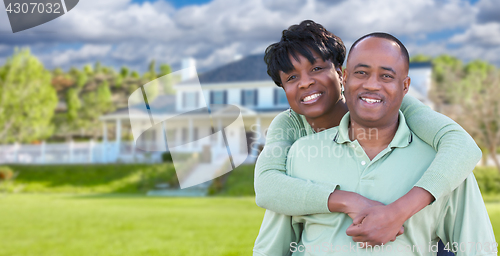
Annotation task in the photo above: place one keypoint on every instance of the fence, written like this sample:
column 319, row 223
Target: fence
column 76, row 152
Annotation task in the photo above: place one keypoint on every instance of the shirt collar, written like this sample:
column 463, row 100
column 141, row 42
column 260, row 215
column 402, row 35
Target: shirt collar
column 402, row 138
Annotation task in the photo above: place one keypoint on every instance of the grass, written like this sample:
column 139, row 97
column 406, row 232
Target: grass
column 239, row 182
column 131, row 224
column 54, row 224
column 494, row 213
column 105, row 178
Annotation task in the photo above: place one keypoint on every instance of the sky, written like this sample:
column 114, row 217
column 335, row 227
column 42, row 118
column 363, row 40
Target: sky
column 134, row 32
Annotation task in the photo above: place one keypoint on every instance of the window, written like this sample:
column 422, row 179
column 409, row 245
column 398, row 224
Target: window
column 190, row 100
column 195, row 135
column 249, row 97
column 218, row 97
column 280, row 97
column 185, row 135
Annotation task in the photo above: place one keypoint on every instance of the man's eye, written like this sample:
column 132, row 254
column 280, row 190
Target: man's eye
column 317, row 68
column 290, row 78
column 387, row 76
column 360, row 72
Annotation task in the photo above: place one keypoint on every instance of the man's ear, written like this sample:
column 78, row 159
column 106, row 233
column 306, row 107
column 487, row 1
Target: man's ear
column 406, row 84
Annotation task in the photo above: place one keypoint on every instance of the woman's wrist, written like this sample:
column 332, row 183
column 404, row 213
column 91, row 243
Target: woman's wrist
column 412, row 202
column 338, row 201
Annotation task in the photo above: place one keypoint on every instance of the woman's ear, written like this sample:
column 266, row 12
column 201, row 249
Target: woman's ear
column 339, row 73
column 344, row 75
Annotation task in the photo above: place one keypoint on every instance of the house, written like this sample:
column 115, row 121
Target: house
column 243, row 84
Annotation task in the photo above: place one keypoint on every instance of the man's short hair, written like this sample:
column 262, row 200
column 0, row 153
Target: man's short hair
column 389, row 37
column 300, row 40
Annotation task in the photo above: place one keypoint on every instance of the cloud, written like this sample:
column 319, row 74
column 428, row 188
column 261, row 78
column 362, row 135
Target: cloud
column 486, row 35
column 126, row 33
column 83, row 54
column 489, row 11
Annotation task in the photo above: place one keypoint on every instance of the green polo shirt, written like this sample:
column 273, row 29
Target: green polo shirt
column 459, row 217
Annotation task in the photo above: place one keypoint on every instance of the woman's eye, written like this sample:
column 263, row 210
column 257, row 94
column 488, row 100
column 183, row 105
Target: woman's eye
column 290, row 78
column 317, row 68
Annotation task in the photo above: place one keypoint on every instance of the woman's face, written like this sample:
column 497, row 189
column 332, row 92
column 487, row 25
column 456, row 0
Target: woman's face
column 312, row 90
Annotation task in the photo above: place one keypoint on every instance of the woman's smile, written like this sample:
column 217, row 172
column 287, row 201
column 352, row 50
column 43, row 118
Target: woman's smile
column 311, row 98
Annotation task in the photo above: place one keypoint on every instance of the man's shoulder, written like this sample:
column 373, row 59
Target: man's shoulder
column 418, row 144
column 417, row 152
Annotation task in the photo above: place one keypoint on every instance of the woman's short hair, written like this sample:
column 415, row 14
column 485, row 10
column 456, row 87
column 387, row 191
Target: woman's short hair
column 300, row 40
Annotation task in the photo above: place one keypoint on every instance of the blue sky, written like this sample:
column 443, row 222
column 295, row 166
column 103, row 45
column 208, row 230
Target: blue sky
column 134, row 32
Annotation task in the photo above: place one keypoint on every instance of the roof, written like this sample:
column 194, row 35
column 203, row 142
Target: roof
column 162, row 104
column 420, row 65
column 250, row 68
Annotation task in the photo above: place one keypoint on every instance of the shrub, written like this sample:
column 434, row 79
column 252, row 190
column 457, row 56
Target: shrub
column 238, row 182
column 488, row 179
column 97, row 178
column 6, row 173
column 166, row 157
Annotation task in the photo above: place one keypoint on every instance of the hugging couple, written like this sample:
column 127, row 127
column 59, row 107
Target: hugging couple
column 388, row 176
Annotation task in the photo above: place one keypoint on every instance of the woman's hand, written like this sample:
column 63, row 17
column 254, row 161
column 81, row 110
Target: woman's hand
column 373, row 222
column 376, row 225
column 359, row 204
column 380, row 224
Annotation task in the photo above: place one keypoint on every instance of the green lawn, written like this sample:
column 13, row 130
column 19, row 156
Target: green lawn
column 128, row 225
column 55, row 224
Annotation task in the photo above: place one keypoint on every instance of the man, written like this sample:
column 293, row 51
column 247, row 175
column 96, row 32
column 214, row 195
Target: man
column 375, row 144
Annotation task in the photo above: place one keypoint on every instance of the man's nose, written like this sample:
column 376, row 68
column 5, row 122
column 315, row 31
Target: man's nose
column 306, row 81
column 372, row 83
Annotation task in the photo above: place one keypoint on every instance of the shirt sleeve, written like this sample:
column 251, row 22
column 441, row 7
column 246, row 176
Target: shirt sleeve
column 457, row 153
column 276, row 191
column 464, row 225
column 276, row 235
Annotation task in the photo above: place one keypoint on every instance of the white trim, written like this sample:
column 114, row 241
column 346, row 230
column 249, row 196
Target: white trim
column 226, row 85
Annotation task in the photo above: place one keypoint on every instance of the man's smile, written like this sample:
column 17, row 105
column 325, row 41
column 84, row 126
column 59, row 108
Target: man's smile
column 370, row 99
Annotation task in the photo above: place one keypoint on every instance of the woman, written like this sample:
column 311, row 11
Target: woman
column 456, row 156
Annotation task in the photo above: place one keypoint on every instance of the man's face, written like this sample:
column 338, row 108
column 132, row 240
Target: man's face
column 376, row 80
column 312, row 90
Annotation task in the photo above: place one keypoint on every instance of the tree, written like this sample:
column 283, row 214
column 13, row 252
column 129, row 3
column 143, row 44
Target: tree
column 167, row 82
column 481, row 91
column 420, row 58
column 469, row 94
column 73, row 104
column 27, row 99
column 95, row 104
column 446, row 75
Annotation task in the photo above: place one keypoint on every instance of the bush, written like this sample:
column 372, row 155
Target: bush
column 97, row 178
column 488, row 179
column 166, row 157
column 238, row 182
column 6, row 173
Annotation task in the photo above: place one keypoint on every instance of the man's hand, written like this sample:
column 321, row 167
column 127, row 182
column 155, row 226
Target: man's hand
column 376, row 225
